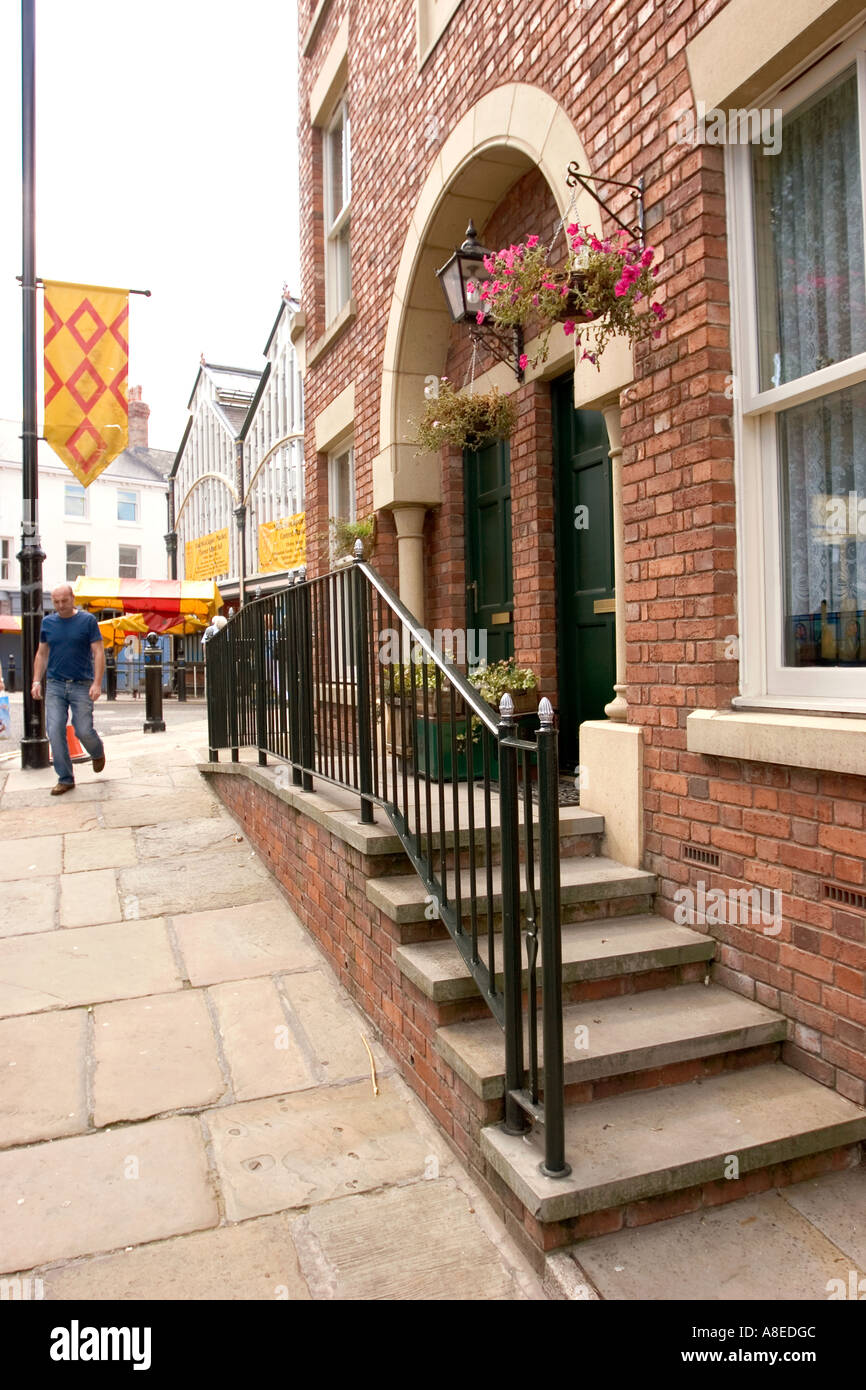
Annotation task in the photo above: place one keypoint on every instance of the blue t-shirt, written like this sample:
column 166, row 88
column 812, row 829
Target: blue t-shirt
column 69, row 639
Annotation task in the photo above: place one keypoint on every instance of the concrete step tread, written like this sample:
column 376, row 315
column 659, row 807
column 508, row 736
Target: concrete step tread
column 650, row 1143
column 590, row 951
column 627, row 1033
column 403, row 897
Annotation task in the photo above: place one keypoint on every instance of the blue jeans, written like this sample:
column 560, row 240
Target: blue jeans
column 61, row 696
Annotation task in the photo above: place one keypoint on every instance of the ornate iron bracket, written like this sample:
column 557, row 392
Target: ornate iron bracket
column 574, row 177
column 505, row 344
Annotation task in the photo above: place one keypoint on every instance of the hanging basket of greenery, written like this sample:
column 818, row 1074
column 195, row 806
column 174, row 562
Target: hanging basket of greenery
column 345, row 533
column 465, row 421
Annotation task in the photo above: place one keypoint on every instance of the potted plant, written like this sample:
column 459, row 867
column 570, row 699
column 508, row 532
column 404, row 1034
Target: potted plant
column 464, row 420
column 604, row 288
column 520, row 682
column 345, row 533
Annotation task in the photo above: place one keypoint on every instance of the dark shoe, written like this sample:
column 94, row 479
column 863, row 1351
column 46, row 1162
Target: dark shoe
column 99, row 763
column 62, row 787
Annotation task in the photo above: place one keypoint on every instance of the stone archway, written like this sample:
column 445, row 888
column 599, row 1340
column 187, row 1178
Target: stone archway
column 511, row 130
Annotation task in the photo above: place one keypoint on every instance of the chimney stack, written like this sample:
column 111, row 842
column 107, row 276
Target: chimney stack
column 138, row 414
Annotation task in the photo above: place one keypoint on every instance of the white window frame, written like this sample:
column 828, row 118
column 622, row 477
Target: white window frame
column 132, row 492
column 336, row 220
column 137, row 550
column 764, row 680
column 6, row 560
column 335, row 455
column 86, row 548
column 76, row 516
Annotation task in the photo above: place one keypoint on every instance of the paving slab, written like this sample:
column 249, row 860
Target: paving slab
column 757, row 1248
column 21, row 779
column 232, row 943
column 28, row 905
column 263, row 1053
column 331, row 1024
column 252, row 1260
column 186, row 777
column 85, row 965
column 101, row 1191
column 98, row 849
column 212, row 879
column 152, row 1055
column 34, row 858
column 34, row 798
column 310, row 1147
column 88, row 898
column 43, row 1061
column 57, row 817
column 140, row 785
column 169, row 839
column 161, row 806
column 419, row 1242
column 836, row 1204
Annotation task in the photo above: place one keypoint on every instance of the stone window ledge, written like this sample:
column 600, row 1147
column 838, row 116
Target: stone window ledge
column 339, row 325
column 829, row 743
column 308, row 42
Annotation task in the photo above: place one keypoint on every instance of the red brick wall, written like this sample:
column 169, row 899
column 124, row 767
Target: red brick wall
column 619, row 71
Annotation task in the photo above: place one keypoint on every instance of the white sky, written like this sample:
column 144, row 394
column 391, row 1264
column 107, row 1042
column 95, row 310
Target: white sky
column 165, row 160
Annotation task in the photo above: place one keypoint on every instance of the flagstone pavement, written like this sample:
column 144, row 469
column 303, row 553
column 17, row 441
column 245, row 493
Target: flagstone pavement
column 187, row 1105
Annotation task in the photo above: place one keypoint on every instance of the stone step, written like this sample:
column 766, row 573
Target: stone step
column 590, row 951
column 404, row 898
column 647, row 1144
column 627, row 1033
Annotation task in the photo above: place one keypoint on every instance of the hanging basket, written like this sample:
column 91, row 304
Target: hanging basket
column 571, row 307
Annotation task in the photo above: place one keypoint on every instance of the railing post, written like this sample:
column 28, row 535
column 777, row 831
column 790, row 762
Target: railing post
column 515, row 1121
column 362, row 673
column 210, row 691
column 110, row 674
column 180, row 678
column 261, row 693
column 153, row 720
column 304, row 684
column 554, row 1165
column 230, row 685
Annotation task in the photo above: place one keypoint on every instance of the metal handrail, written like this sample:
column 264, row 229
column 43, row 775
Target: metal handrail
column 295, row 675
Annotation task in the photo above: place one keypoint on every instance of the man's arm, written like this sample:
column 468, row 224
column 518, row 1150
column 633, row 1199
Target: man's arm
column 98, row 650
column 40, row 661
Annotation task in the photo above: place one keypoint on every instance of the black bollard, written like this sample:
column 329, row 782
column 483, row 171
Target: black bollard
column 180, row 668
column 11, row 675
column 153, row 720
column 111, row 674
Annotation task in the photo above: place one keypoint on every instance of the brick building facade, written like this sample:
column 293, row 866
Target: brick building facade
column 725, row 756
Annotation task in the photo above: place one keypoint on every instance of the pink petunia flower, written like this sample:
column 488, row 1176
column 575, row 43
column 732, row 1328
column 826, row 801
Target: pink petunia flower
column 531, row 242
column 568, row 327
column 523, row 361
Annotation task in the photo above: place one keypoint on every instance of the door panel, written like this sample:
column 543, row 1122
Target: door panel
column 586, row 636
column 489, row 579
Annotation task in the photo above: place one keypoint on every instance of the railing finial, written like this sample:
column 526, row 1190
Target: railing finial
column 545, row 713
column 506, row 708
column 358, row 550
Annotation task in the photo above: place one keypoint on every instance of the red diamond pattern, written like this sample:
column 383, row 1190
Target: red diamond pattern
column 117, row 387
column 56, row 321
column 56, row 383
column 85, row 308
column 118, row 328
column 95, row 383
column 97, row 445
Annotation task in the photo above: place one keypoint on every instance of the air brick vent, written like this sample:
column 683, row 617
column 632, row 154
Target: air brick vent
column 845, row 897
column 695, row 854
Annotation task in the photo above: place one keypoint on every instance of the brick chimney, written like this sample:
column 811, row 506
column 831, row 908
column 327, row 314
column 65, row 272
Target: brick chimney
column 138, row 413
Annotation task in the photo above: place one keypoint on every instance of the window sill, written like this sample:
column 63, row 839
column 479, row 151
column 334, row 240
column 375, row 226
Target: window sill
column 309, row 40
column 829, row 743
column 337, row 326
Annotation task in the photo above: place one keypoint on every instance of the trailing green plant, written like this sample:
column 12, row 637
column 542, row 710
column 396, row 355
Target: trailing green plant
column 345, row 533
column 492, row 682
column 464, row 420
column 596, row 292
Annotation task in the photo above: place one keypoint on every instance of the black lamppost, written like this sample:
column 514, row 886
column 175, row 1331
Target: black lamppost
column 34, row 744
column 461, row 278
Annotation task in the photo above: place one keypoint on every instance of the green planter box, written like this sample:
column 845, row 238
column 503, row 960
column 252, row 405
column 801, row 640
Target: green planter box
column 441, row 762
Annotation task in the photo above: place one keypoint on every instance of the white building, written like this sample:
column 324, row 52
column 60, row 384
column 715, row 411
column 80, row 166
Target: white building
column 113, row 528
column 239, row 471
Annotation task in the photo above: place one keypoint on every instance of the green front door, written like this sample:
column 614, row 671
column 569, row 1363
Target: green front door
column 489, row 581
column 586, row 633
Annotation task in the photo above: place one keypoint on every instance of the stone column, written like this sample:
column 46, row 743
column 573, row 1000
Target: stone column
column 409, row 521
column 618, row 707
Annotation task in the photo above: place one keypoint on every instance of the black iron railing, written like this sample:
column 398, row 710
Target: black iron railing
column 335, row 677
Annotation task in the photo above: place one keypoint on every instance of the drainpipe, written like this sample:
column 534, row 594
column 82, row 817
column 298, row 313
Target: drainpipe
column 617, row 709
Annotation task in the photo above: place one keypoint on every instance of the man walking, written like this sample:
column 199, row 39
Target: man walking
column 70, row 646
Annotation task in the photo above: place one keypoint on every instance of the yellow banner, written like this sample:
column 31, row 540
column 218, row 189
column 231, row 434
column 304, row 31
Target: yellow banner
column 283, row 544
column 86, row 362
column 208, row 556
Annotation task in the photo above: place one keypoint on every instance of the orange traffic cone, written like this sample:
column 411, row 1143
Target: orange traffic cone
column 76, row 752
